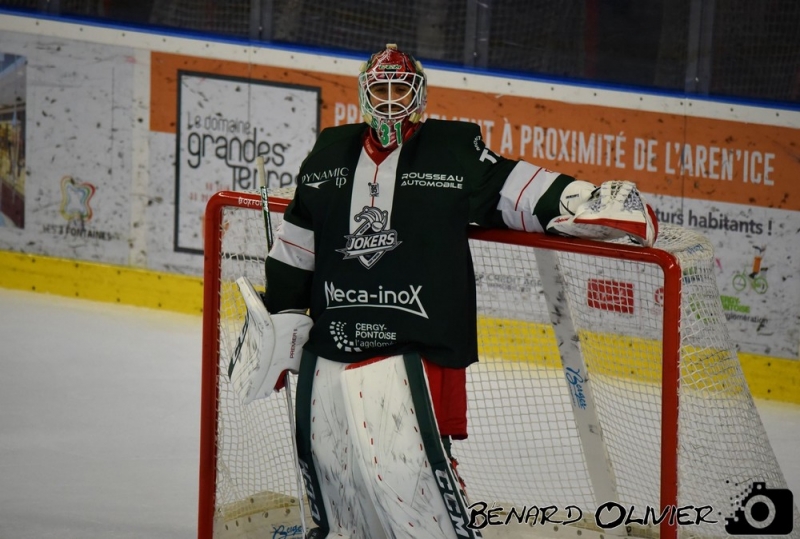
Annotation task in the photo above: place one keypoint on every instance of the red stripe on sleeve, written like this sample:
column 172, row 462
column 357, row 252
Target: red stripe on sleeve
column 526, row 186
column 295, row 245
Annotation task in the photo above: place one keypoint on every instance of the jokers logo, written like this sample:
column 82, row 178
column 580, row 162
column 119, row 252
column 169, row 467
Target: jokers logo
column 372, row 239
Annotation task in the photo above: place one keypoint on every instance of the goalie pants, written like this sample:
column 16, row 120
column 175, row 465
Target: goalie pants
column 371, row 453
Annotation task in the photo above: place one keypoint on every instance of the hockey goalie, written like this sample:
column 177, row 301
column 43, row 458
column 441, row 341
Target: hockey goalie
column 380, row 262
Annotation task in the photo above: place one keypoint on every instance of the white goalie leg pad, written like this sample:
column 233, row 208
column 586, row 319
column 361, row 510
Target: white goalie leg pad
column 614, row 210
column 268, row 345
column 348, row 507
column 407, row 472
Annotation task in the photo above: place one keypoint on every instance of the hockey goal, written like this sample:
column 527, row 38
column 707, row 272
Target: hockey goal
column 607, row 386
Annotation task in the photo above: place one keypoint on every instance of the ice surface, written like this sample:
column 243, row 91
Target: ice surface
column 99, row 420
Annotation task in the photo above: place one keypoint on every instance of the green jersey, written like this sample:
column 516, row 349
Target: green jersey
column 375, row 243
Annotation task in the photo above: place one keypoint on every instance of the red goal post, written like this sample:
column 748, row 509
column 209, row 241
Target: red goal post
column 645, row 325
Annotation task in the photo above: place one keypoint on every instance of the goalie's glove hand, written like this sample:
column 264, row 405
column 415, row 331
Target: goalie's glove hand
column 614, row 210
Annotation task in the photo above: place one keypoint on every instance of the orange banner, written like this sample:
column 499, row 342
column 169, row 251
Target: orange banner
column 667, row 154
column 164, row 85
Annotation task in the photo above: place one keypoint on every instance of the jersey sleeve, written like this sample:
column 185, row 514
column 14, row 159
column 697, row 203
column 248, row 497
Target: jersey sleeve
column 290, row 263
column 531, row 197
column 510, row 193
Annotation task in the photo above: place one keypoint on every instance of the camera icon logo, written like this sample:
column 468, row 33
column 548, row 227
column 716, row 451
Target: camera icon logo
column 762, row 511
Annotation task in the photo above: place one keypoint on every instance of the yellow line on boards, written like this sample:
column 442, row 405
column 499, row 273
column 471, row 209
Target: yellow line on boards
column 768, row 377
column 101, row 282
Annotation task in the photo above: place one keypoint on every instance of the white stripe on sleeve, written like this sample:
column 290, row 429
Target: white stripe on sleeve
column 294, row 246
column 519, row 195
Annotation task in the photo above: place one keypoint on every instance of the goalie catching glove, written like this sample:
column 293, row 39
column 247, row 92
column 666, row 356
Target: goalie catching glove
column 614, row 210
column 268, row 346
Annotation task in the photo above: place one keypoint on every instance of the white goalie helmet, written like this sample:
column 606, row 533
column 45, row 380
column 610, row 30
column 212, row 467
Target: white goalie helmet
column 392, row 93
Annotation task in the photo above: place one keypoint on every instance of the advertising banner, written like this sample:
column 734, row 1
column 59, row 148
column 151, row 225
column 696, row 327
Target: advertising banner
column 731, row 180
column 224, row 123
column 12, row 140
column 65, row 139
column 110, row 147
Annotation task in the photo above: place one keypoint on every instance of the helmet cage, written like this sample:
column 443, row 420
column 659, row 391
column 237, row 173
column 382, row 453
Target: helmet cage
column 393, row 89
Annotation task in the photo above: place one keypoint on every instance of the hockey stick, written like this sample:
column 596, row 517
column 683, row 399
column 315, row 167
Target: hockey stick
column 242, row 342
column 598, row 463
column 262, row 188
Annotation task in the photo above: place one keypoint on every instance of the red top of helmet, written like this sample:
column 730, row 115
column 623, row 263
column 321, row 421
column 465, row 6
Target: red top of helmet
column 391, row 62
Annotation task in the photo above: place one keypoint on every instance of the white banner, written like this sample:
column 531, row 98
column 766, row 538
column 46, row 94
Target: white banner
column 223, row 124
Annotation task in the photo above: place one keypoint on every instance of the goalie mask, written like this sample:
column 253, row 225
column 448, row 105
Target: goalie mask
column 392, row 94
